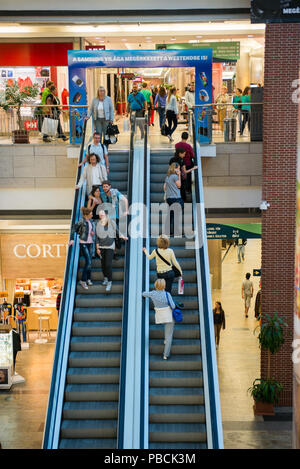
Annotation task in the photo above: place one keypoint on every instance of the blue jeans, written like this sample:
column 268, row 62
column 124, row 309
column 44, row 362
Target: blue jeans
column 86, row 252
column 161, row 113
column 241, row 252
column 21, row 324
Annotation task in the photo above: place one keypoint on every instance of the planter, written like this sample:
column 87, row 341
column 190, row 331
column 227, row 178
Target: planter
column 263, row 408
column 20, row 136
column 121, row 108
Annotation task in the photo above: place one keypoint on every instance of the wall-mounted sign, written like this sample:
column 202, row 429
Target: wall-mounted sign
column 95, row 47
column 33, row 255
column 227, row 51
column 275, row 11
column 233, row 230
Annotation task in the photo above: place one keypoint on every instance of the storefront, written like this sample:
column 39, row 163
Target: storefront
column 33, row 265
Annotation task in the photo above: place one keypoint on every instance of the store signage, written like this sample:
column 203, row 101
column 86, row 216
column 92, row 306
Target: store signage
column 275, row 11
column 33, row 255
column 256, row 272
column 95, row 47
column 130, row 76
column 31, row 125
column 233, row 230
column 221, row 50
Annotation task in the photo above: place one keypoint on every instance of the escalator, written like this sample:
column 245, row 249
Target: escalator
column 183, row 396
column 84, row 402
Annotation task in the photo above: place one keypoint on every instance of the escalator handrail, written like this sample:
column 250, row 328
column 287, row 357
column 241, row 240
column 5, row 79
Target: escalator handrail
column 144, row 417
column 54, row 409
column 209, row 362
column 123, row 361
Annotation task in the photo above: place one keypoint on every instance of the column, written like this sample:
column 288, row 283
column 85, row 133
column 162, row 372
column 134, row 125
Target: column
column 215, row 262
column 279, row 189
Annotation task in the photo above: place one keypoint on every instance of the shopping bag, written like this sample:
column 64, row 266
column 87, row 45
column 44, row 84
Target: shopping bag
column 180, row 286
column 49, row 126
column 126, row 125
column 163, row 315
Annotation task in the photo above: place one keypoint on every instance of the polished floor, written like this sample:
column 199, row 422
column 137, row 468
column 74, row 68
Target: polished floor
column 23, row 408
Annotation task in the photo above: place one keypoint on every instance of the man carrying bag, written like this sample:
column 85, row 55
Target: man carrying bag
column 138, row 104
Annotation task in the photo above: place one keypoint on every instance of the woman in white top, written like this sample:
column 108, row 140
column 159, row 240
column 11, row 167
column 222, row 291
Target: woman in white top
column 172, row 112
column 164, row 267
column 93, row 173
column 102, row 111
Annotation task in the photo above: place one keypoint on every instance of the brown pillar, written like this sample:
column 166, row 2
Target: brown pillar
column 215, row 262
column 279, row 189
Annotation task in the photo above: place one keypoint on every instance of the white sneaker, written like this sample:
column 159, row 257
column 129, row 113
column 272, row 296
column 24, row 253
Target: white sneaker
column 165, row 358
column 105, row 281
column 89, row 282
column 84, row 285
column 108, row 286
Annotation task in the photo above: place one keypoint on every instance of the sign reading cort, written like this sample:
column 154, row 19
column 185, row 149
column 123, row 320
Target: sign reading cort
column 36, row 250
column 36, row 255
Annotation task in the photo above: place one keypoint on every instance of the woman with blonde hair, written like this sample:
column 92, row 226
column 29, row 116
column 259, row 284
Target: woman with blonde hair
column 163, row 302
column 102, row 111
column 165, row 261
column 172, row 112
column 172, row 189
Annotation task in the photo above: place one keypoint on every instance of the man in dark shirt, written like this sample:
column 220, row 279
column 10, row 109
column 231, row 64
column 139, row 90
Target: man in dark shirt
column 179, row 158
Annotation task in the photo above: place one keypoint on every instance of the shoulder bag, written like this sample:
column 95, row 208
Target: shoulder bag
column 176, row 312
column 174, row 268
column 140, row 112
column 163, row 315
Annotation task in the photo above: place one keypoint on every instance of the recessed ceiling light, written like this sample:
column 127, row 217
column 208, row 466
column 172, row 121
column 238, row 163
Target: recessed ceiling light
column 250, row 35
column 149, row 37
column 123, row 39
column 173, row 38
column 198, row 37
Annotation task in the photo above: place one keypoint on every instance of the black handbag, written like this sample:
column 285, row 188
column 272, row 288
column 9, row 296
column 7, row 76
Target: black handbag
column 174, row 268
column 112, row 129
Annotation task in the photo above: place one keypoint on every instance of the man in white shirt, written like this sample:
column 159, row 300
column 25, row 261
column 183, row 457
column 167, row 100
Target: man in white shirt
column 190, row 97
column 99, row 149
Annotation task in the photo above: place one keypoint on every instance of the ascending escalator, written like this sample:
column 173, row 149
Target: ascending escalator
column 84, row 399
column 90, row 411
column 176, row 395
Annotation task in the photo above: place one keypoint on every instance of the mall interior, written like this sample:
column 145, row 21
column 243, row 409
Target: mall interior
column 238, row 171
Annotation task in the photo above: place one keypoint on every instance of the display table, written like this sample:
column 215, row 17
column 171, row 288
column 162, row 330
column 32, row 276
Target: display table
column 33, row 320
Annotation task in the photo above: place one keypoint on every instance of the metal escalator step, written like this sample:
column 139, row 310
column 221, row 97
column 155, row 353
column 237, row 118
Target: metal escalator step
column 93, row 375
column 177, row 362
column 89, row 429
column 98, row 309
column 166, row 378
column 176, row 414
column 97, row 328
column 97, row 275
column 90, row 410
column 92, row 392
column 86, row 301
column 181, row 331
column 96, row 316
column 172, row 432
column 176, row 446
column 184, row 349
column 96, row 264
column 189, row 289
column 188, row 276
column 98, row 289
column 95, row 344
column 88, row 443
column 94, row 359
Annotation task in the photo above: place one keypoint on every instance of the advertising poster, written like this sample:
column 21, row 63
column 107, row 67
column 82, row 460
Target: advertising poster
column 199, row 59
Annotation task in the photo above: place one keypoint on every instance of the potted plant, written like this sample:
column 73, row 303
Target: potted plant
column 15, row 98
column 266, row 392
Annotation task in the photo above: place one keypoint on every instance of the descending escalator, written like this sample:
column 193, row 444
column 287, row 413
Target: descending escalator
column 90, row 410
column 176, row 395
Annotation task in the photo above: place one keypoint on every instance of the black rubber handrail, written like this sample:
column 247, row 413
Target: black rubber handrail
column 123, row 361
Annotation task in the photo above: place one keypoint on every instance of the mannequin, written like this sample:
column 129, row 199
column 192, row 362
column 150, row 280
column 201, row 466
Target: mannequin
column 5, row 311
column 21, row 318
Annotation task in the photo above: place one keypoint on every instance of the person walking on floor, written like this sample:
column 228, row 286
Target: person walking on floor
column 102, row 111
column 154, row 93
column 148, row 97
column 160, row 104
column 138, row 104
column 106, row 232
column 85, row 228
column 163, row 312
column 172, row 112
column 240, row 243
column 165, row 260
column 93, row 173
column 247, row 292
column 219, row 321
column 237, row 106
column 246, row 99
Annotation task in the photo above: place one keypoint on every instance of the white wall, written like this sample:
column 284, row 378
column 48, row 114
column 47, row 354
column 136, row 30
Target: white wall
column 232, row 197
column 36, row 199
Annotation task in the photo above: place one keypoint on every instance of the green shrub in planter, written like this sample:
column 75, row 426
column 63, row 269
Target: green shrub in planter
column 266, row 390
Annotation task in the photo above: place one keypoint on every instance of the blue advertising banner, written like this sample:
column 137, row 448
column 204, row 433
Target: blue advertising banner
column 79, row 61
